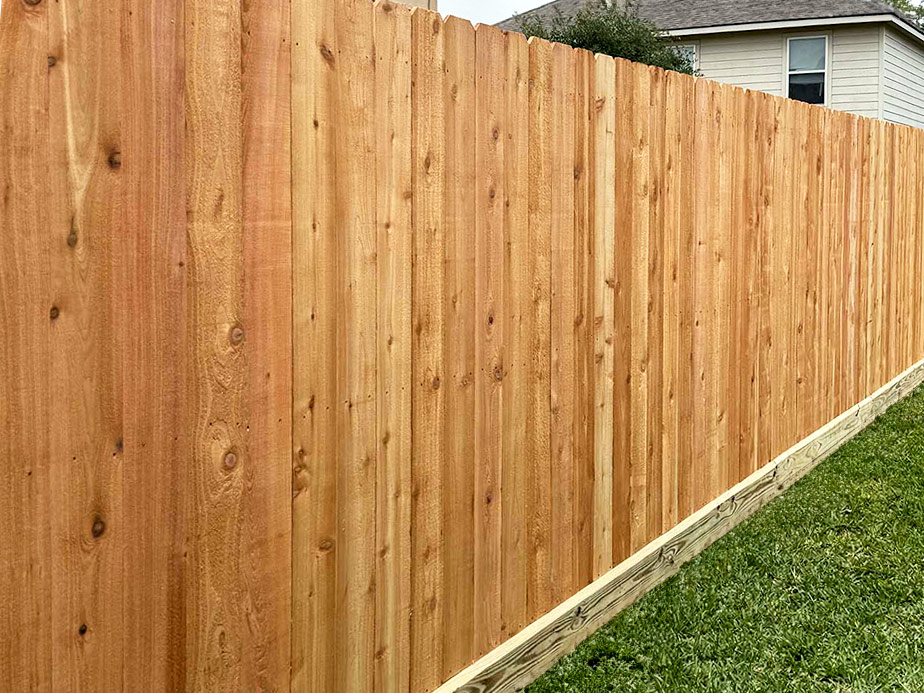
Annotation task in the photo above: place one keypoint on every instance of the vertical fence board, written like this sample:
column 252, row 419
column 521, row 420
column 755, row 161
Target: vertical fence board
column 538, row 423
column 746, row 244
column 726, row 362
column 671, row 371
column 619, row 291
column 686, row 246
column 703, row 340
column 514, row 515
column 153, row 276
column 427, row 359
column 491, row 133
column 315, row 90
column 638, row 317
column 392, row 25
column 584, row 520
column 26, row 393
column 459, row 346
column 266, row 324
column 609, row 491
column 655, row 271
column 85, row 306
column 562, row 313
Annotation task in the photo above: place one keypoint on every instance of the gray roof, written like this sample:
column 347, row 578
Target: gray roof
column 691, row 14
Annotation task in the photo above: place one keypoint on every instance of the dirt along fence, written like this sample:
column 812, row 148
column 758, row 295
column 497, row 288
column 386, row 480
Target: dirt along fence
column 339, row 342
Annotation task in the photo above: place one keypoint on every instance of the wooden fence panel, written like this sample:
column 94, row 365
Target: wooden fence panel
column 511, row 311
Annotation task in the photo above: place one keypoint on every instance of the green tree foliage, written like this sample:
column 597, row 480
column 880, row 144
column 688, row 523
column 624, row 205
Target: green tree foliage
column 603, row 28
column 911, row 8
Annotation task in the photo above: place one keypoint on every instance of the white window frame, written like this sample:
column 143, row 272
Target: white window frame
column 690, row 44
column 827, row 71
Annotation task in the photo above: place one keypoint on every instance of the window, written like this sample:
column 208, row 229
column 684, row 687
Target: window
column 807, row 69
column 688, row 51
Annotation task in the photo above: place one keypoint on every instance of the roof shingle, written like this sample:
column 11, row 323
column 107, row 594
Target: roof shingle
column 691, row 14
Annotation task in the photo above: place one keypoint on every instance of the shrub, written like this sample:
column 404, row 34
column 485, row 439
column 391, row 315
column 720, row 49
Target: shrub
column 912, row 9
column 603, row 28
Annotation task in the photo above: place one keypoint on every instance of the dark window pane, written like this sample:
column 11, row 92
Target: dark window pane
column 809, row 88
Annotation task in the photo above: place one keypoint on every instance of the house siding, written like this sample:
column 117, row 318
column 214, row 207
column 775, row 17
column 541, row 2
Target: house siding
column 855, row 73
column 903, row 79
column 753, row 60
column 871, row 67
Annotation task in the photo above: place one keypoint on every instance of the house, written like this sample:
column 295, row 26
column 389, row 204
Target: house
column 859, row 56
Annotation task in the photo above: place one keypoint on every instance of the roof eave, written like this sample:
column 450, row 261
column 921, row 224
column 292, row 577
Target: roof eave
column 800, row 24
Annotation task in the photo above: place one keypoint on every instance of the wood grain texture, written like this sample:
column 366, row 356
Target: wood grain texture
column 607, row 488
column 521, row 659
column 392, row 26
column 314, row 319
column 428, row 362
column 514, row 515
column 27, row 648
column 156, row 434
column 491, row 134
column 538, row 422
column 86, row 342
column 237, row 325
column 266, row 323
column 459, row 346
column 584, row 273
column 510, row 311
column 562, row 314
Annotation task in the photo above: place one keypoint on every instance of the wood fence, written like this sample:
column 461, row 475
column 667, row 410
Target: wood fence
column 338, row 343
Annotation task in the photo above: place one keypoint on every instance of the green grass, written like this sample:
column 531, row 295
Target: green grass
column 822, row 590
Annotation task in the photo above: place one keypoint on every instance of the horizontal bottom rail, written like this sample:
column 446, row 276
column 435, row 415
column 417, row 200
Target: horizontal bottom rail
column 529, row 653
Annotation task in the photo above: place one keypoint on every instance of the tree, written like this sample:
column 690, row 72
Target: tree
column 608, row 28
column 910, row 8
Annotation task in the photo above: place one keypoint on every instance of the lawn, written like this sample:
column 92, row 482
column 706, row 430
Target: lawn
column 822, row 590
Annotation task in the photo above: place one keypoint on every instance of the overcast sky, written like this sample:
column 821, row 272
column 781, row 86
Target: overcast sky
column 486, row 11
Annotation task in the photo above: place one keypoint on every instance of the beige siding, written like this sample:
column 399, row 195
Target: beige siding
column 855, row 74
column 753, row 60
column 874, row 71
column 903, row 79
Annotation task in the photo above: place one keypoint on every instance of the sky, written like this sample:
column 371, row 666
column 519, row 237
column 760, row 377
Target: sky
column 486, row 11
